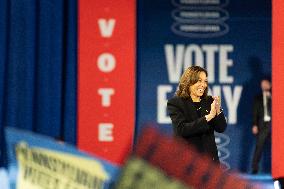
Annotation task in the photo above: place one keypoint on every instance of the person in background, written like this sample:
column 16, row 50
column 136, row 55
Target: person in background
column 261, row 121
column 195, row 115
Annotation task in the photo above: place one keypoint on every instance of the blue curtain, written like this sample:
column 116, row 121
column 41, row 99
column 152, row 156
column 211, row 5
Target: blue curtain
column 38, row 66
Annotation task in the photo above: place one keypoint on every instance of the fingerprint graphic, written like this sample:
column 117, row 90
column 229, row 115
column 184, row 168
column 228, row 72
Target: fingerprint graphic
column 222, row 142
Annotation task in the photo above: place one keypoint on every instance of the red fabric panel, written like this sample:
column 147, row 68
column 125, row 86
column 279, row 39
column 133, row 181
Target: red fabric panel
column 277, row 88
column 106, row 77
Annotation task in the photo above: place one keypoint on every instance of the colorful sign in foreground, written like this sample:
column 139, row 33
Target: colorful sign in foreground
column 183, row 164
column 40, row 169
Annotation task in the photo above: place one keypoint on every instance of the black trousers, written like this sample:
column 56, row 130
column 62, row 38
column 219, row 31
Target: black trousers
column 264, row 133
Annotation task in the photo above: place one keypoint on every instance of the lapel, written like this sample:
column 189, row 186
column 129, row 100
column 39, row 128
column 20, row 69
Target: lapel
column 206, row 106
column 189, row 107
column 261, row 103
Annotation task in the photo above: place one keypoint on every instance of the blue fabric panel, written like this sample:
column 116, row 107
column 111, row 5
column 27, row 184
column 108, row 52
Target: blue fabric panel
column 38, row 70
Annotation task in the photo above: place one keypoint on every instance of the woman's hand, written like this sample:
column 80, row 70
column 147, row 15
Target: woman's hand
column 217, row 100
column 212, row 113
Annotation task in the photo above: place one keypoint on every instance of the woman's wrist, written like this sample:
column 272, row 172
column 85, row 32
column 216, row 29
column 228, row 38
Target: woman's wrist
column 220, row 111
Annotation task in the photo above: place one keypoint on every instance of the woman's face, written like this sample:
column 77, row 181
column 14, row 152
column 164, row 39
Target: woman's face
column 196, row 90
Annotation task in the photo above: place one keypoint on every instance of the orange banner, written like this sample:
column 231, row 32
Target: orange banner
column 106, row 80
column 277, row 88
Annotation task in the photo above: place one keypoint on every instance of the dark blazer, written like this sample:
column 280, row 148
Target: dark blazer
column 258, row 110
column 194, row 128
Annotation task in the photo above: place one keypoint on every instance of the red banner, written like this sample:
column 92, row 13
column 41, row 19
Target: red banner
column 277, row 87
column 106, row 80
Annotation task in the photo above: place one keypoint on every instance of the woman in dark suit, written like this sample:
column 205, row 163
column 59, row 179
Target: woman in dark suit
column 195, row 116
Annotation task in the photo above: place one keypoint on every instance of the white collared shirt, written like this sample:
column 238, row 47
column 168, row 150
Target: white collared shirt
column 266, row 116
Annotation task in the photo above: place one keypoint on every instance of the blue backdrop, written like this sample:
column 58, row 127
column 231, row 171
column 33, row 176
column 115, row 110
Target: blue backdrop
column 231, row 39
